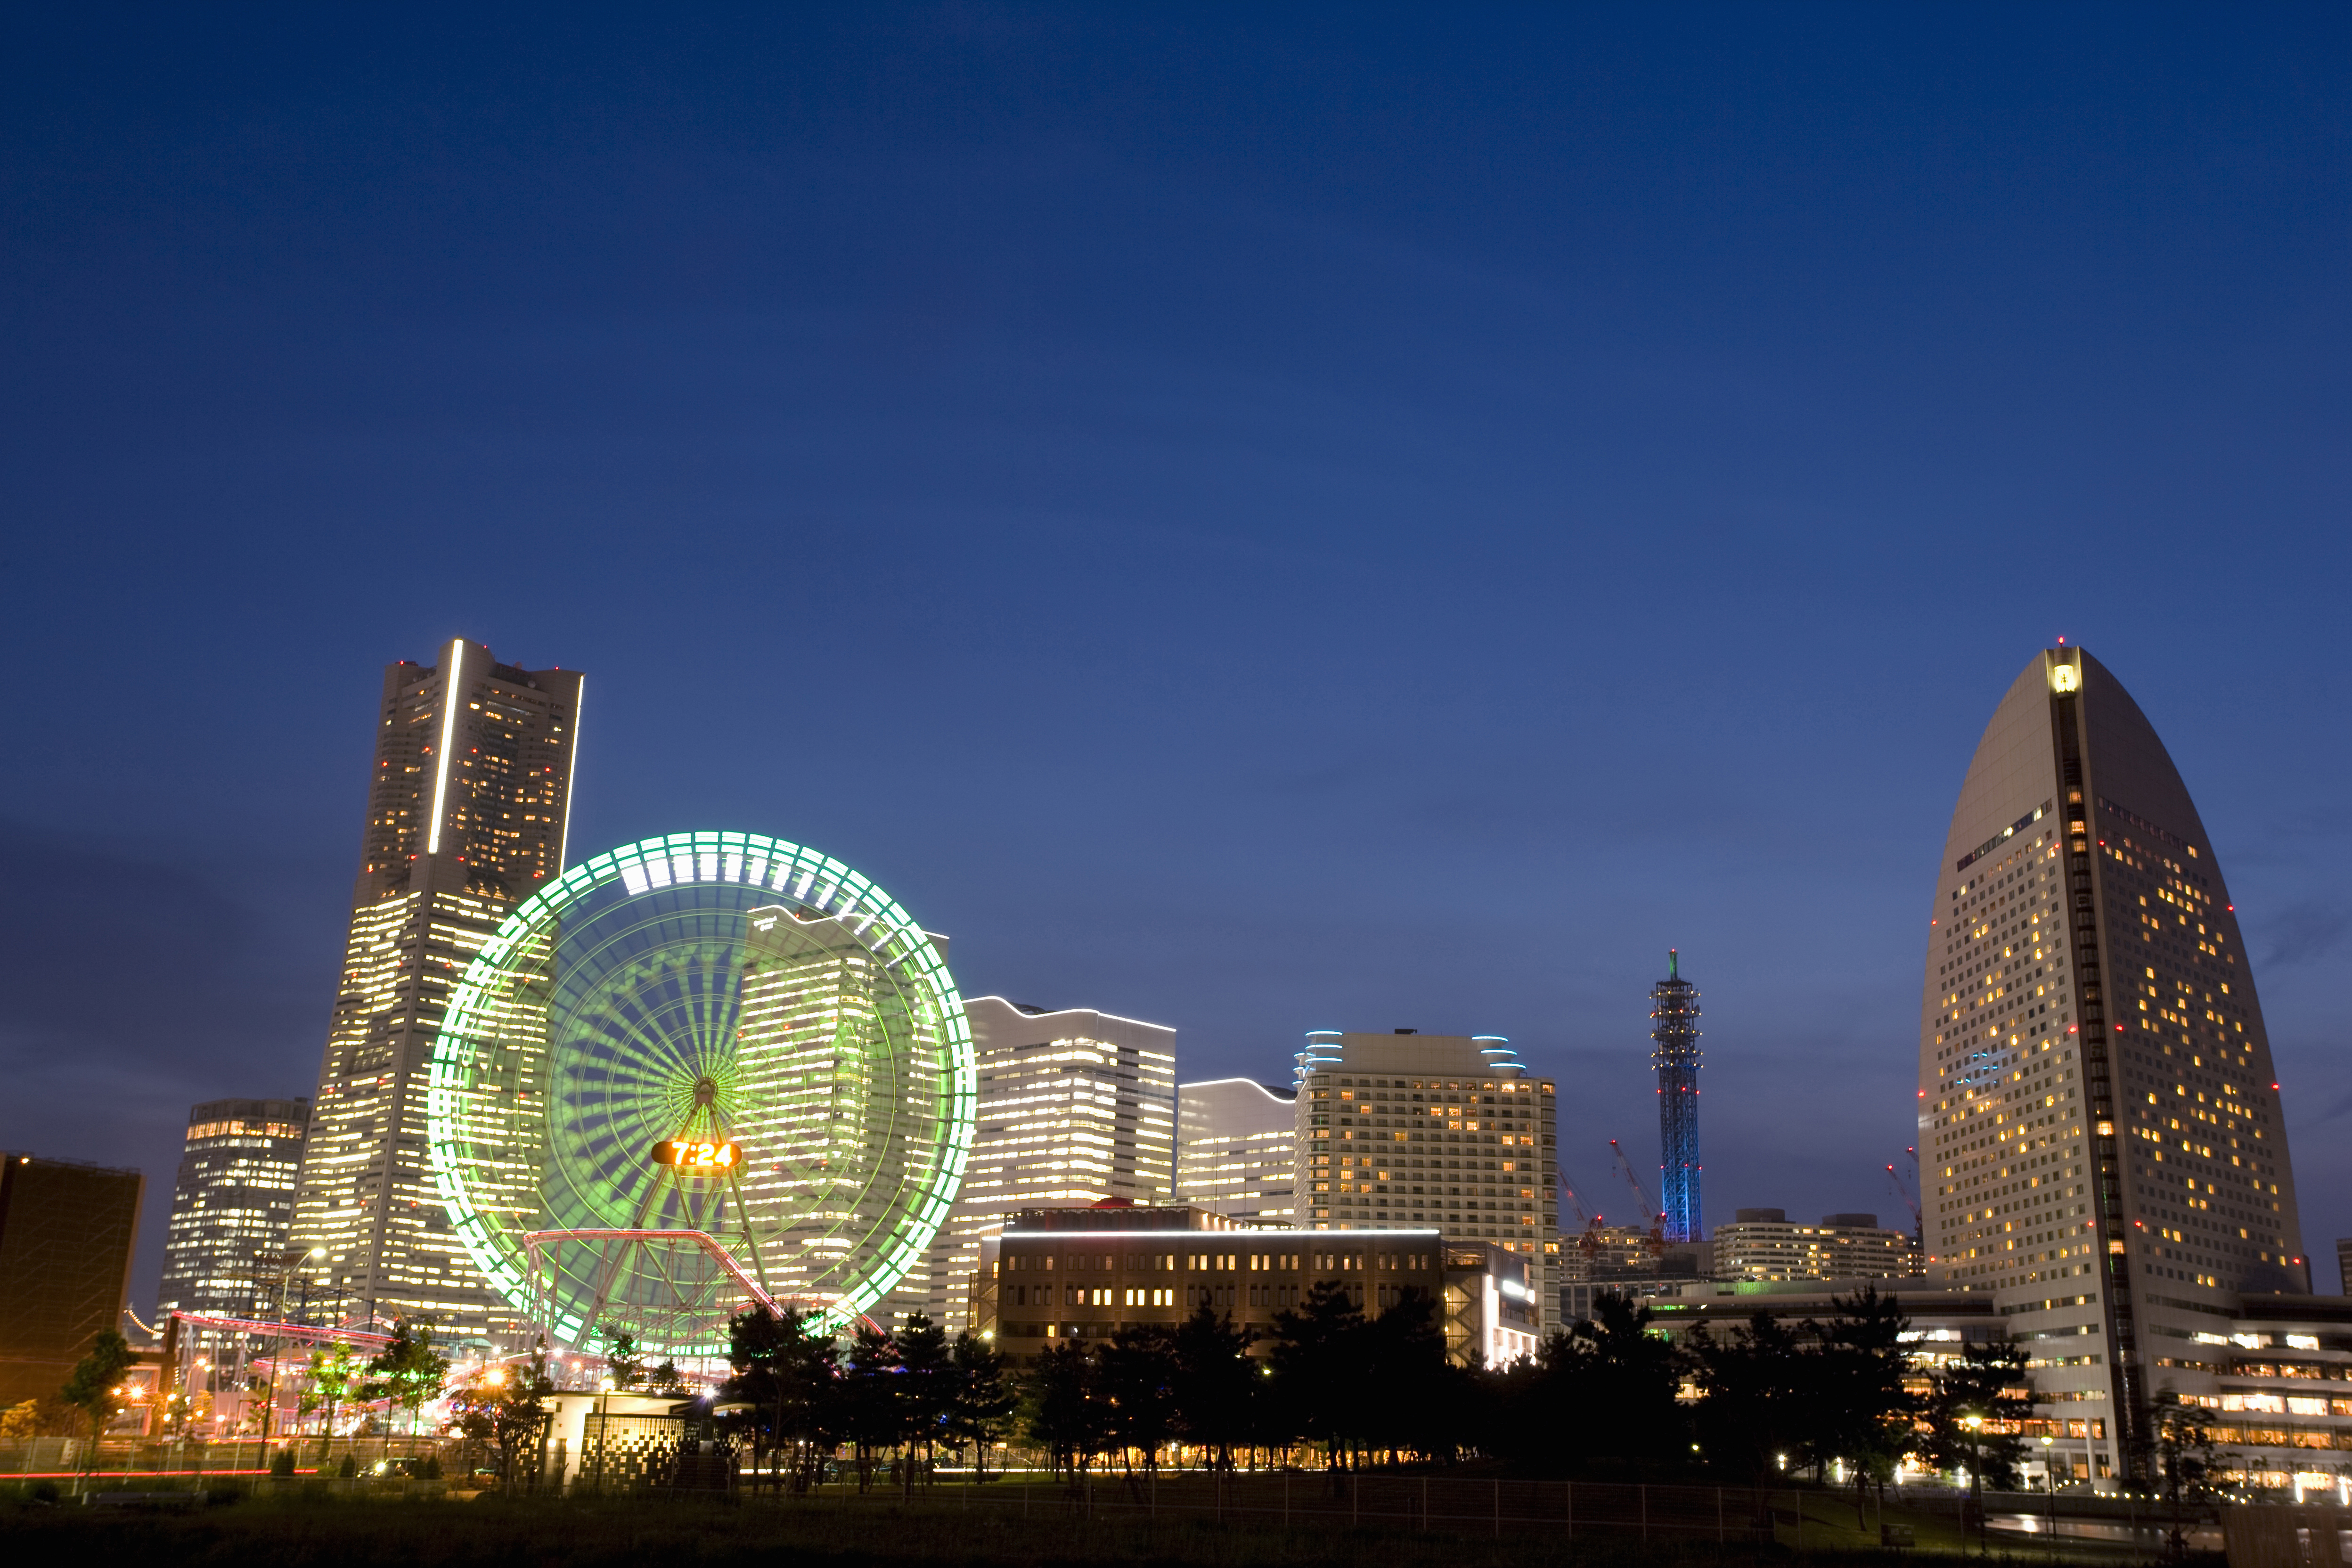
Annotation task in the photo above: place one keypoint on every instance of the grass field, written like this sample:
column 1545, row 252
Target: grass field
column 327, row 1532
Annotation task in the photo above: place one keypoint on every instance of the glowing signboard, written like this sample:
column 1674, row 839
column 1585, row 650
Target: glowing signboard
column 698, row 1155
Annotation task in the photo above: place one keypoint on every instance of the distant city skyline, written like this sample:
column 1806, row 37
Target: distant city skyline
column 1253, row 524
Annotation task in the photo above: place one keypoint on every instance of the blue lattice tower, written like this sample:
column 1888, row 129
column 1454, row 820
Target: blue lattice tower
column 1674, row 1024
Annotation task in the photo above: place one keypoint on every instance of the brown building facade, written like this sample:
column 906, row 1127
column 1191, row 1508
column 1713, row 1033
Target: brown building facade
column 1058, row 1275
column 67, row 1231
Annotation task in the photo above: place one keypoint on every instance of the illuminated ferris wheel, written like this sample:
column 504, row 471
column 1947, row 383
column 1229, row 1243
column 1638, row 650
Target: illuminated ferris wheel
column 702, row 1071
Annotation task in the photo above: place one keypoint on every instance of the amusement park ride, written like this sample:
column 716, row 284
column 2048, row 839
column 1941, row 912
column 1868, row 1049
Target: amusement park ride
column 698, row 1074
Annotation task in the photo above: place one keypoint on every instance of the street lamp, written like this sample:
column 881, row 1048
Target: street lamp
column 2049, row 1478
column 269, row 1410
column 1974, row 1424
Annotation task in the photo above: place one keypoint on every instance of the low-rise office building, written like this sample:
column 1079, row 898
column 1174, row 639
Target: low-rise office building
column 1054, row 1275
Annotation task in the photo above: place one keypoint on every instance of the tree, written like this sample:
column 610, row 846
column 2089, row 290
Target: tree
column 1136, row 1378
column 1317, row 1360
column 1860, row 1412
column 1214, row 1383
column 1066, row 1411
column 95, row 1386
column 667, row 1379
column 20, row 1421
column 333, row 1370
column 1410, row 1397
column 408, row 1371
column 1613, row 1362
column 1974, row 1416
column 870, row 1411
column 1751, row 1413
column 622, row 1364
column 922, row 1392
column 792, row 1378
column 500, row 1407
column 2187, row 1464
column 982, row 1399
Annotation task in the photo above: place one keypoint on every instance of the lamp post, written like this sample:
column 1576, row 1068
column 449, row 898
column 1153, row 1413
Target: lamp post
column 269, row 1410
column 2049, row 1479
column 1974, row 1424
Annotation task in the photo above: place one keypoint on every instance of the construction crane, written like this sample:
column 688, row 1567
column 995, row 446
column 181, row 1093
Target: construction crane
column 1909, row 1195
column 1657, row 1216
column 1576, row 1203
column 1588, row 1241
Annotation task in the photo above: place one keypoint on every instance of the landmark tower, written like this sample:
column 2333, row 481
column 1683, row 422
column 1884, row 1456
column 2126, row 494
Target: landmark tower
column 467, row 802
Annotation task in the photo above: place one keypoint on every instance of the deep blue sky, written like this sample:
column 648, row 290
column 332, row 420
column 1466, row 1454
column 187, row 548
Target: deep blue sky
column 1259, row 519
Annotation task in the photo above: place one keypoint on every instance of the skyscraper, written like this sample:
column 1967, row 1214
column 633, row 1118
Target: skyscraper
column 1405, row 1129
column 1674, row 1024
column 231, row 1207
column 1076, row 1106
column 1237, row 1149
column 2098, row 1111
column 467, row 802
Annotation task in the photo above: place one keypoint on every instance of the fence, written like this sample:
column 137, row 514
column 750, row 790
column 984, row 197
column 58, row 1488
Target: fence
column 1319, row 1500
column 156, row 1457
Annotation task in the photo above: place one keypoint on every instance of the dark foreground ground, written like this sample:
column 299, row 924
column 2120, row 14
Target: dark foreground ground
column 327, row 1532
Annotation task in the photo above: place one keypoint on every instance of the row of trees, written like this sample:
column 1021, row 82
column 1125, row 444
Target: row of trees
column 1607, row 1395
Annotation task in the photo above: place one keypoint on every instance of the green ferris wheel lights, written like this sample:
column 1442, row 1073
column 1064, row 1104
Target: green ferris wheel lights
column 701, row 1068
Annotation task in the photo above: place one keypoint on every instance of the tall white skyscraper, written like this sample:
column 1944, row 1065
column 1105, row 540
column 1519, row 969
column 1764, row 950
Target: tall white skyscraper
column 1075, row 1107
column 2098, row 1113
column 467, row 803
column 1408, row 1130
column 1237, row 1149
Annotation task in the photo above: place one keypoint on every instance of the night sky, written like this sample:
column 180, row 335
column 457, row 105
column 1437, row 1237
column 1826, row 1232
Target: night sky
column 1257, row 518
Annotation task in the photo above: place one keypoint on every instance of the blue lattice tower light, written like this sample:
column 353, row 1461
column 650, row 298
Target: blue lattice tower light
column 1674, row 1024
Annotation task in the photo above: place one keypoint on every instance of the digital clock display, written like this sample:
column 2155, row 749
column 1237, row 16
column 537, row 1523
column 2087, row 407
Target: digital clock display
column 697, row 1155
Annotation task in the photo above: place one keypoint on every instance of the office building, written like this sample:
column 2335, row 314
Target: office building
column 1762, row 1244
column 1237, row 1149
column 1060, row 1274
column 1406, row 1130
column 232, row 1205
column 1076, row 1106
column 2343, row 1264
column 1674, row 1029
column 67, row 1231
column 468, row 799
column 2098, row 1120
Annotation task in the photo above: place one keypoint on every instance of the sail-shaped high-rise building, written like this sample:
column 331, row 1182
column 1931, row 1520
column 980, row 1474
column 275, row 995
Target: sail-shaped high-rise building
column 2099, row 1119
column 467, row 804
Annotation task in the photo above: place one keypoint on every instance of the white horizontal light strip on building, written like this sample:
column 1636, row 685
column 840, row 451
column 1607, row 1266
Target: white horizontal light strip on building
column 448, row 727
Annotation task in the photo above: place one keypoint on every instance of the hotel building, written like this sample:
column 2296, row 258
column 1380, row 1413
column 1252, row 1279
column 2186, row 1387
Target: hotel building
column 468, row 800
column 1237, row 1149
column 1451, row 1131
column 1076, row 1106
column 2098, row 1113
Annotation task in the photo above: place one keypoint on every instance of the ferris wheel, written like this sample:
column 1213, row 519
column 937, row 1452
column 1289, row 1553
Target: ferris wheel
column 701, row 1071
